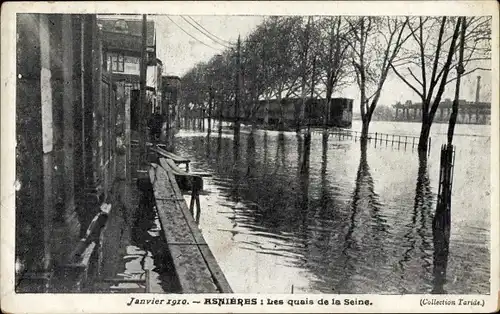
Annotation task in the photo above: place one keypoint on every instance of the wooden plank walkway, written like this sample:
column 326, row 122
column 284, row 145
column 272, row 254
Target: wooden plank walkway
column 196, row 267
column 175, row 158
column 185, row 180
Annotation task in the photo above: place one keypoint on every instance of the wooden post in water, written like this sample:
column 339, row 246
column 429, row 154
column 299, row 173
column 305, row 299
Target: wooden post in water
column 195, row 198
column 442, row 218
column 392, row 143
column 191, row 203
column 148, row 281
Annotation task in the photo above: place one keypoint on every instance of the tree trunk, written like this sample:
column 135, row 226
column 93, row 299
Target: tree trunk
column 307, row 152
column 365, row 128
column 424, row 135
column 366, row 118
column 302, row 108
column 281, row 116
column 460, row 71
column 266, row 113
column 221, row 99
column 327, row 111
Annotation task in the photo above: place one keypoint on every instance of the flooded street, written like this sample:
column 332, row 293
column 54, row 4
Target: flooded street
column 356, row 222
column 133, row 245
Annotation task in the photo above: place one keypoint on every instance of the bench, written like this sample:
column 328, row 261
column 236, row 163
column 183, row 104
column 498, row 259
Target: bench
column 166, row 154
column 194, row 264
column 186, row 181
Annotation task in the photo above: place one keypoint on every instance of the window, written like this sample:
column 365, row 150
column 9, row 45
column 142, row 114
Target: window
column 117, row 62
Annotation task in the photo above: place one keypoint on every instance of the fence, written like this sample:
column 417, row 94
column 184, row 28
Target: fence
column 394, row 140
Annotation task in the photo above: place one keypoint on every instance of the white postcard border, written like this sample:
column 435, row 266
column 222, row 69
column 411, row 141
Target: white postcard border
column 99, row 303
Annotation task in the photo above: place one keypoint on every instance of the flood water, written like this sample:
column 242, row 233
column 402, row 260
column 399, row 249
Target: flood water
column 358, row 221
column 133, row 245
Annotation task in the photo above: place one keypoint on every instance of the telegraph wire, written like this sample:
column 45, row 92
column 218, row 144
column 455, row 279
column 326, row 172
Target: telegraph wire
column 215, row 36
column 193, row 36
column 206, row 33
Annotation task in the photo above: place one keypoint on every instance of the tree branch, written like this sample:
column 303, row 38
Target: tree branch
column 468, row 72
column 416, row 79
column 434, row 68
column 406, row 82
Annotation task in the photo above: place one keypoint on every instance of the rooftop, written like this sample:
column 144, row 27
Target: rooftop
column 127, row 30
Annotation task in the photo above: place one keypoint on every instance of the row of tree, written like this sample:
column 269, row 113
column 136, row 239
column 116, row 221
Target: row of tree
column 296, row 56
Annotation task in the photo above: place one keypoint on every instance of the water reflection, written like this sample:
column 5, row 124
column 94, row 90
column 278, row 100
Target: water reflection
column 280, row 152
column 219, row 147
column 424, row 203
column 208, row 146
column 417, row 236
column 250, row 155
column 365, row 201
column 302, row 202
column 265, row 148
column 323, row 221
column 441, row 241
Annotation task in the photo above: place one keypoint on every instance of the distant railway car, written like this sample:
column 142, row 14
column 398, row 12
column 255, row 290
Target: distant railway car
column 339, row 115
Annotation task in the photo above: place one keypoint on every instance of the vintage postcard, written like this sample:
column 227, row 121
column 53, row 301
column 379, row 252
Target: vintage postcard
column 251, row 156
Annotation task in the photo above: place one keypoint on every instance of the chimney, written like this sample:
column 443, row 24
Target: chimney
column 478, row 88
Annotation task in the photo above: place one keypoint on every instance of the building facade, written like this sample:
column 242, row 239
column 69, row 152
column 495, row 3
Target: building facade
column 122, row 44
column 68, row 119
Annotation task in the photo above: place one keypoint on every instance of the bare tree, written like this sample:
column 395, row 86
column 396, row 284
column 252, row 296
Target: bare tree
column 375, row 43
column 255, row 70
column 284, row 76
column 333, row 57
column 429, row 61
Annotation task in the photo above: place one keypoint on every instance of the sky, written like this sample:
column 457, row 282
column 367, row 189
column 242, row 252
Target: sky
column 179, row 52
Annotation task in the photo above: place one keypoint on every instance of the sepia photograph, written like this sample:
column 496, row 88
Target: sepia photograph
column 226, row 155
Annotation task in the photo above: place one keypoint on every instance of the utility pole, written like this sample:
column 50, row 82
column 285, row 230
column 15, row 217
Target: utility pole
column 237, row 92
column 142, row 98
column 210, row 102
